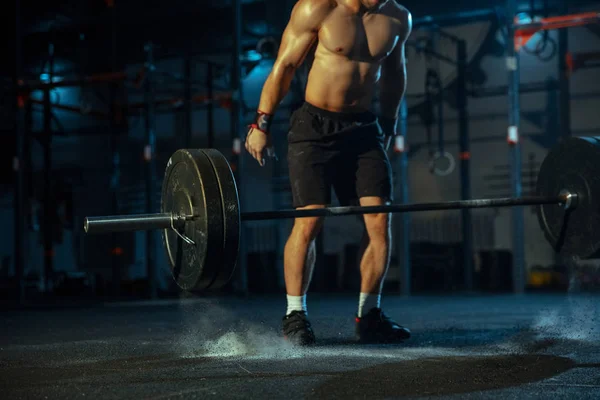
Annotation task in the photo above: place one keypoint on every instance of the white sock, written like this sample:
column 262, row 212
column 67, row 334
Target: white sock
column 368, row 301
column 295, row 303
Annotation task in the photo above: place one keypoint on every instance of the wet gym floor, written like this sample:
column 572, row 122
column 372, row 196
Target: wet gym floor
column 527, row 347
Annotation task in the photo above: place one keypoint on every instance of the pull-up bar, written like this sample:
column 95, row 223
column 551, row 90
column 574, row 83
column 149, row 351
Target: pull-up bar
column 524, row 31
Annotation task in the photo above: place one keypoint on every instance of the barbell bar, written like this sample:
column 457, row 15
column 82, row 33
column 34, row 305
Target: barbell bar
column 140, row 222
column 200, row 216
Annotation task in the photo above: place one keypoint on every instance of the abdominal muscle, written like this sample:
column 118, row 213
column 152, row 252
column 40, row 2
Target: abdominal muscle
column 337, row 83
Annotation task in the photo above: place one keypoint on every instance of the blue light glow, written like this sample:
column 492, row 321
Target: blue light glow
column 45, row 78
column 252, row 56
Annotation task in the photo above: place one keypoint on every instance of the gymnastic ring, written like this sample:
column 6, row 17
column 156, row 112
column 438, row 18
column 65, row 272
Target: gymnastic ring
column 439, row 156
column 262, row 47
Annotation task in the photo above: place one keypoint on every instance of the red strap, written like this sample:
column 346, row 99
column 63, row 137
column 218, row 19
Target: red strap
column 255, row 126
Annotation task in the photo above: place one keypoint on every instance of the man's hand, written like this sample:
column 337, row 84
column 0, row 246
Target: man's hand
column 258, row 139
column 258, row 143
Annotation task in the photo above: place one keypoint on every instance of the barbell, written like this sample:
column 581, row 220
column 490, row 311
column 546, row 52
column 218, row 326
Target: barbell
column 200, row 214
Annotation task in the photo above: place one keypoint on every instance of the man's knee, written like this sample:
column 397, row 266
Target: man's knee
column 308, row 228
column 378, row 226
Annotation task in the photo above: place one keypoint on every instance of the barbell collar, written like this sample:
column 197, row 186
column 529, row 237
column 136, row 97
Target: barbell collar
column 568, row 200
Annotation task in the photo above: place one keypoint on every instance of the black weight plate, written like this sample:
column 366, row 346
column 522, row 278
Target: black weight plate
column 191, row 188
column 573, row 165
column 231, row 216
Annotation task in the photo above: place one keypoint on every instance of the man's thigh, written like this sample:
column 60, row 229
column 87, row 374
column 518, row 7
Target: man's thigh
column 374, row 174
column 308, row 172
column 363, row 174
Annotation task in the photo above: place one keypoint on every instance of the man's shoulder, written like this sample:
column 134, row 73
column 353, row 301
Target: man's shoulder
column 309, row 14
column 315, row 6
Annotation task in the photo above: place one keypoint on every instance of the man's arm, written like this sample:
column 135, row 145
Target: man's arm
column 298, row 38
column 392, row 82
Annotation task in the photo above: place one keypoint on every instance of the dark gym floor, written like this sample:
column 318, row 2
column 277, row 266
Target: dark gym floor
column 527, row 347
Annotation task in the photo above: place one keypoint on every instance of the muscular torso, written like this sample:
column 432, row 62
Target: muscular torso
column 348, row 58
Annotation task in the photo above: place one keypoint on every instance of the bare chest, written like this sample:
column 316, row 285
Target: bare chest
column 363, row 38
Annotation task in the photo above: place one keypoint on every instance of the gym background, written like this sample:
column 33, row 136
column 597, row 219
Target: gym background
column 115, row 87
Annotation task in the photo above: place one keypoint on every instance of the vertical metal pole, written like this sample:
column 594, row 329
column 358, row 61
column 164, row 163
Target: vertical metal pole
column 564, row 93
column 402, row 240
column 116, row 159
column 518, row 223
column 210, row 109
column 149, row 157
column 187, row 99
column 564, row 108
column 20, row 165
column 114, row 190
column 465, row 161
column 49, row 204
column 237, row 135
column 440, row 117
column 51, row 62
column 28, row 166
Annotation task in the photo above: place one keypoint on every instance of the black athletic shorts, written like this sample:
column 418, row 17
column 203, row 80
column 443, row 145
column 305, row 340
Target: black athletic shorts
column 343, row 151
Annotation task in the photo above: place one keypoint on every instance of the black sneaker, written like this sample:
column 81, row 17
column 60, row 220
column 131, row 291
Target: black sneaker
column 376, row 327
column 297, row 329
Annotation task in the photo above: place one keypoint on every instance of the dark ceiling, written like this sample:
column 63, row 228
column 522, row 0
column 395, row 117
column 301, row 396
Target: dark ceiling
column 83, row 30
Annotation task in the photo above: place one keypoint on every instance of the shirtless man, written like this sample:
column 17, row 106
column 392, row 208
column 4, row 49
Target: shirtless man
column 336, row 141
